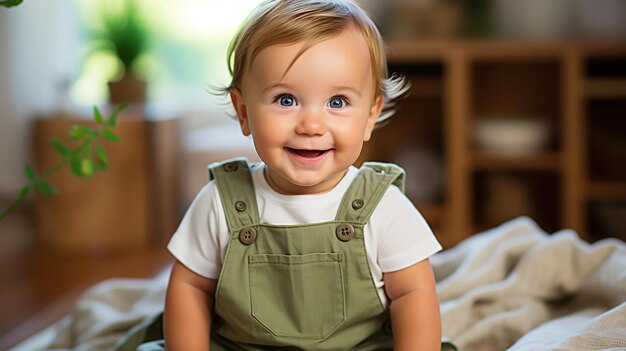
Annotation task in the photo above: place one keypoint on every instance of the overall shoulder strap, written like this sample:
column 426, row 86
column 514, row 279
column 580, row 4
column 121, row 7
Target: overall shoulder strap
column 367, row 189
column 234, row 182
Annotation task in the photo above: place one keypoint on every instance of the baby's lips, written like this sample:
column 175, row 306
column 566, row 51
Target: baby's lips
column 308, row 153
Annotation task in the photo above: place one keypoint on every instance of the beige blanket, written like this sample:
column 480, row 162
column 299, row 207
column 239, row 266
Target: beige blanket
column 510, row 287
column 516, row 287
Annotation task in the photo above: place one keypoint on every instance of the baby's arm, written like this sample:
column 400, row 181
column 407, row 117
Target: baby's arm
column 188, row 309
column 415, row 317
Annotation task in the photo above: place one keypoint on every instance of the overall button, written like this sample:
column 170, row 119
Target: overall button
column 240, row 206
column 247, row 235
column 230, row 167
column 357, row 204
column 344, row 232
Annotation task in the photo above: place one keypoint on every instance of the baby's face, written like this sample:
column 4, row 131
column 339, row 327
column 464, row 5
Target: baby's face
column 308, row 124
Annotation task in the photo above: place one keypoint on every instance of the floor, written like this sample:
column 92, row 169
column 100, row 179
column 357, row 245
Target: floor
column 38, row 285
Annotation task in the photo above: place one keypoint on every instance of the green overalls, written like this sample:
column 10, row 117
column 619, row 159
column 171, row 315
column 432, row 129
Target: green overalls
column 295, row 287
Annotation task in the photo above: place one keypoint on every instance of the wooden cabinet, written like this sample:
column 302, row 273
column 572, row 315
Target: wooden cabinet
column 501, row 129
column 130, row 206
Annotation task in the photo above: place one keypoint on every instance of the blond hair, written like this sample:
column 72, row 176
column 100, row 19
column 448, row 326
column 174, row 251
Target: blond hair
column 276, row 22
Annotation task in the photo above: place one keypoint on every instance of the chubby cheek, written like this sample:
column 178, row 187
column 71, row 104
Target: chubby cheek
column 350, row 146
column 348, row 138
column 267, row 133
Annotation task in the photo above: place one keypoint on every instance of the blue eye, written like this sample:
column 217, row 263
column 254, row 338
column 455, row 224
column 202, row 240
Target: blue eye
column 286, row 100
column 337, row 102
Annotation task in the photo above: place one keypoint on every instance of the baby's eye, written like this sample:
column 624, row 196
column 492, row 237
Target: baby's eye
column 285, row 100
column 338, row 102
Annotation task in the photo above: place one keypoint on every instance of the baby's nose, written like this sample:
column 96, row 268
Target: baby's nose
column 312, row 122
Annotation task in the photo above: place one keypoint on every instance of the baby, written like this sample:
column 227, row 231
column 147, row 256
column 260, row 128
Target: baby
column 304, row 251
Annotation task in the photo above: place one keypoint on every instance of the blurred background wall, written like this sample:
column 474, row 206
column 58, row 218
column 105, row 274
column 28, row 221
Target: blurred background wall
column 39, row 44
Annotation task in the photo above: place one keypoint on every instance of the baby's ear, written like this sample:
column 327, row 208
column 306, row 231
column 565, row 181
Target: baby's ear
column 374, row 112
column 240, row 108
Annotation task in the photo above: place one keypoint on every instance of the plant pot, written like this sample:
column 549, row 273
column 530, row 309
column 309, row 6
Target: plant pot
column 128, row 89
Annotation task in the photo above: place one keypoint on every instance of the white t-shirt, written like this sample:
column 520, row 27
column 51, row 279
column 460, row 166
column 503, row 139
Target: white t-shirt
column 396, row 235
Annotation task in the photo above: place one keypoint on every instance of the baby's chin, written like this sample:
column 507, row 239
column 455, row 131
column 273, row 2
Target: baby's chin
column 307, row 182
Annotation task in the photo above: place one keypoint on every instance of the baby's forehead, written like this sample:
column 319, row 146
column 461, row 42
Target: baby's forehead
column 302, row 46
column 339, row 61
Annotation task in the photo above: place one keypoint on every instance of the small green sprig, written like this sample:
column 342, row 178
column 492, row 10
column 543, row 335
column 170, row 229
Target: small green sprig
column 10, row 3
column 84, row 160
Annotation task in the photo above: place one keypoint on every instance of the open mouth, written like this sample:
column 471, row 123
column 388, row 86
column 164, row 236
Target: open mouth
column 308, row 153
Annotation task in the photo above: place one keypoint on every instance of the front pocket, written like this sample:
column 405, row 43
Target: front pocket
column 298, row 296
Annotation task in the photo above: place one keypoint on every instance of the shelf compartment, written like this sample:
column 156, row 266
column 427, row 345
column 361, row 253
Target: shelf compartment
column 417, row 124
column 599, row 67
column 426, row 78
column 606, row 139
column 606, row 219
column 508, row 194
column 606, row 88
column 518, row 90
column 426, row 87
column 540, row 161
column 598, row 190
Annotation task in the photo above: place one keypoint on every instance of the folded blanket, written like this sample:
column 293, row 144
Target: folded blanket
column 513, row 286
column 107, row 311
column 517, row 287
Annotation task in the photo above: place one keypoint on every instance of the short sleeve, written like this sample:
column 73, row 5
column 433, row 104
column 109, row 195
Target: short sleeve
column 201, row 238
column 403, row 237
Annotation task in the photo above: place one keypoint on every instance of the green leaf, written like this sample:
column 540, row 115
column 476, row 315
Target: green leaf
column 61, row 149
column 24, row 191
column 112, row 121
column 102, row 155
column 110, row 136
column 86, row 167
column 76, row 166
column 76, row 133
column 89, row 131
column 30, row 173
column 10, row 3
column 87, row 151
column 46, row 188
column 79, row 132
column 97, row 115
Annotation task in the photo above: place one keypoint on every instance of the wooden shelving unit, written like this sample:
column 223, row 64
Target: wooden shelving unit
column 577, row 88
column 606, row 191
column 540, row 161
column 606, row 88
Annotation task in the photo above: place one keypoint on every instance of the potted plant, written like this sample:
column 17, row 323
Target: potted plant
column 84, row 159
column 123, row 33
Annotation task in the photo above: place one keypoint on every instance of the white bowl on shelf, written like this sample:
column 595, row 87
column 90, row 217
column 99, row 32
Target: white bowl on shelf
column 511, row 135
